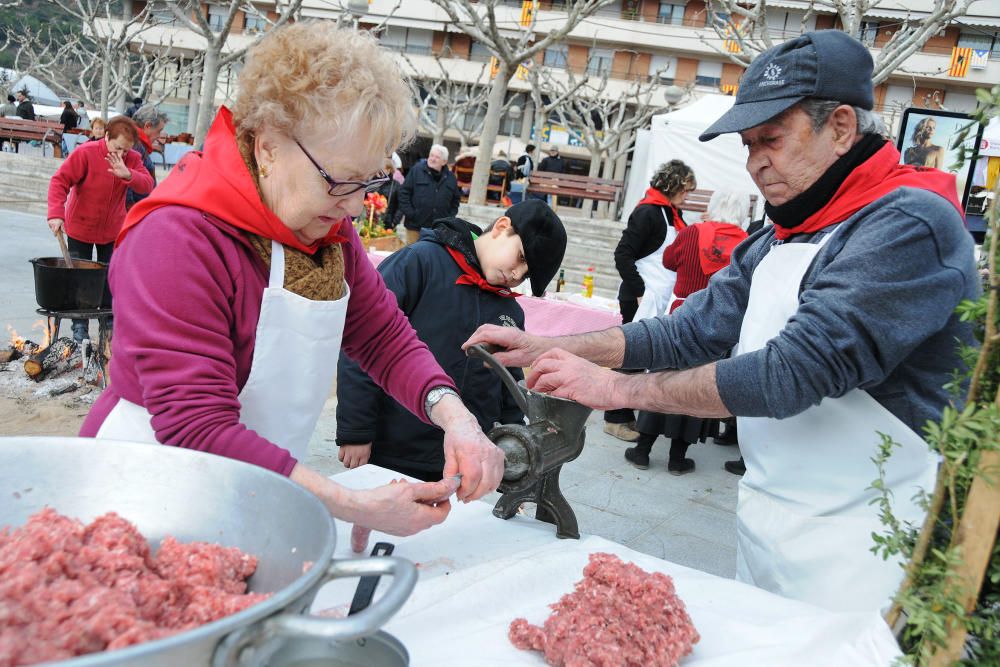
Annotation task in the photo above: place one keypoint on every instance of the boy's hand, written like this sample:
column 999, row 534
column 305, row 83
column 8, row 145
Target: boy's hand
column 353, row 456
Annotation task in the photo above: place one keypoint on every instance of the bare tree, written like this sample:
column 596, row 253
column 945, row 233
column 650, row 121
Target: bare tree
column 88, row 63
column 545, row 97
column 605, row 123
column 442, row 102
column 216, row 55
column 480, row 22
column 746, row 32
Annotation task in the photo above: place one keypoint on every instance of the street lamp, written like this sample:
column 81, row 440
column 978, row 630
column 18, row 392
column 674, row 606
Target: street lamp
column 356, row 9
column 514, row 112
column 673, row 94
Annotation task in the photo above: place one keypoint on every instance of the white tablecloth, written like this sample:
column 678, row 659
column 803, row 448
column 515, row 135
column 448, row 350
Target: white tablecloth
column 478, row 573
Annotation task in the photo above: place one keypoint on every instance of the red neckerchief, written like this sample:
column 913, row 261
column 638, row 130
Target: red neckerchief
column 144, row 140
column 218, row 182
column 472, row 277
column 716, row 241
column 657, row 198
column 874, row 178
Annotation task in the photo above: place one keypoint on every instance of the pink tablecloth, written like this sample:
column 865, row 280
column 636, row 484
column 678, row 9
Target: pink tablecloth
column 549, row 317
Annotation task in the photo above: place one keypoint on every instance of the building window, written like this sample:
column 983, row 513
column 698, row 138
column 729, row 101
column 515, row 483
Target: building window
column 599, row 62
column 217, row 15
column 709, row 73
column 254, row 23
column 869, row 31
column 479, row 53
column 982, row 41
column 663, row 68
column 163, row 16
column 556, row 56
column 614, row 8
column 410, row 40
column 671, row 13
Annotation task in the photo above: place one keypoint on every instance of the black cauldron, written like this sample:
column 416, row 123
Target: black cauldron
column 83, row 287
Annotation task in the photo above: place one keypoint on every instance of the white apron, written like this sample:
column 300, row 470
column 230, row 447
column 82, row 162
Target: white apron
column 803, row 521
column 293, row 369
column 659, row 280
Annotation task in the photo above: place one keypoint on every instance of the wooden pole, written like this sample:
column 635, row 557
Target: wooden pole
column 976, row 533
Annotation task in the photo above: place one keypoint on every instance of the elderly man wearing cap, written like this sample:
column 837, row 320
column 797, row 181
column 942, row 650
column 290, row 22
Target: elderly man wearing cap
column 842, row 321
column 455, row 278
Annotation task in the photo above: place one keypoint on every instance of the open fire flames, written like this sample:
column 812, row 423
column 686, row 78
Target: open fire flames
column 54, row 358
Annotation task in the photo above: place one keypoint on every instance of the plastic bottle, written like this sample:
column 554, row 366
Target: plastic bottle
column 588, row 283
column 562, row 280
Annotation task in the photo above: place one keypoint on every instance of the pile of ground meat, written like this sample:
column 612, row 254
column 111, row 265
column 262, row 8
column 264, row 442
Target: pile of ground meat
column 619, row 614
column 67, row 589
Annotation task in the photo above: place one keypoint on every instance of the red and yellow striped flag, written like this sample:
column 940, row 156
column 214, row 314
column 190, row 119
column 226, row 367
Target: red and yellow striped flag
column 729, row 88
column 528, row 8
column 960, row 57
column 494, row 67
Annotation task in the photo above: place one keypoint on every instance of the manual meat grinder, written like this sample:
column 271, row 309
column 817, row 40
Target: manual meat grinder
column 534, row 454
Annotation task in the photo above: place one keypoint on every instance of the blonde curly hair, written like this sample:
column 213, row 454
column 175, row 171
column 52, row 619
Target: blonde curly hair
column 672, row 177
column 314, row 76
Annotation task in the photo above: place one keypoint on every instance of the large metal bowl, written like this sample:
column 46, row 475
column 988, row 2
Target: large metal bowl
column 201, row 497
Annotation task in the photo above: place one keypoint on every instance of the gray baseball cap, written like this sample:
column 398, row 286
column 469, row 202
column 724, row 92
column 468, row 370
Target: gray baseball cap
column 825, row 64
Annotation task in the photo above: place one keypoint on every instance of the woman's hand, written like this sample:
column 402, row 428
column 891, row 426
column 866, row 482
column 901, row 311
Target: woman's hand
column 467, row 450
column 118, row 167
column 55, row 224
column 398, row 508
column 403, row 508
column 353, row 456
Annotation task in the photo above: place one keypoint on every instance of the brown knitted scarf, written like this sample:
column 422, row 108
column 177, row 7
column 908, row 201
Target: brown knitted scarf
column 318, row 277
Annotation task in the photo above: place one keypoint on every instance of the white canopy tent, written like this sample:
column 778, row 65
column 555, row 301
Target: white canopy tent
column 717, row 164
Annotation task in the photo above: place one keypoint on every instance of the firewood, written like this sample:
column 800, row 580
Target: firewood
column 9, row 353
column 12, row 352
column 56, row 359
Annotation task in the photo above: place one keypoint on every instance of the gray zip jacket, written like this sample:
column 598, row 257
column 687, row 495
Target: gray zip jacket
column 876, row 312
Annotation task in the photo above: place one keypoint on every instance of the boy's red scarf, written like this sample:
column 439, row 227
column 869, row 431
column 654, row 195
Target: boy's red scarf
column 873, row 179
column 716, row 241
column 472, row 277
column 218, row 182
column 657, row 198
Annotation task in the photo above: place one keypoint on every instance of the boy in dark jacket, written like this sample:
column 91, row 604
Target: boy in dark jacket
column 454, row 279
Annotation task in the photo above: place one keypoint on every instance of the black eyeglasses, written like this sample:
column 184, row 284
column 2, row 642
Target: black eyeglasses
column 344, row 188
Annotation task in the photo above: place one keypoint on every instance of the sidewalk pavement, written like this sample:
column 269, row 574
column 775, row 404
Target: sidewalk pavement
column 689, row 520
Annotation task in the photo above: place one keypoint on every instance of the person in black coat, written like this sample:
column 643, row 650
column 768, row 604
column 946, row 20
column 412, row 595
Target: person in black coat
column 429, row 192
column 454, row 279
column 553, row 162
column 526, row 163
column 25, row 109
column 69, row 117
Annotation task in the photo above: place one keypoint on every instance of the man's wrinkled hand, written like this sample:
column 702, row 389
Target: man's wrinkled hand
column 469, row 453
column 566, row 375
column 516, row 347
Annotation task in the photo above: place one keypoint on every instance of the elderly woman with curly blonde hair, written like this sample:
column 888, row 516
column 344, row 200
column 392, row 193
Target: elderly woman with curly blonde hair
column 239, row 280
column 646, row 285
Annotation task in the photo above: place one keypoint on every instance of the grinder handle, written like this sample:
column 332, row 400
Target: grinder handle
column 515, row 389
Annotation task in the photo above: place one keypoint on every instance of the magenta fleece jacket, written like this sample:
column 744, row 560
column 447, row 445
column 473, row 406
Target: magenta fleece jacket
column 187, row 291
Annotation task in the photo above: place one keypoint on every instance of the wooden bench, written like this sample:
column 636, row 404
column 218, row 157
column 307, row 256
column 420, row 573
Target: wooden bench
column 33, row 130
column 571, row 185
column 697, row 202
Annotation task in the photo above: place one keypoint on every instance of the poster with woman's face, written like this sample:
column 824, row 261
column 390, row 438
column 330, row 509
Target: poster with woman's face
column 927, row 139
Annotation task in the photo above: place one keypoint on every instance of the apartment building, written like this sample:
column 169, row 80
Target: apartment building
column 666, row 42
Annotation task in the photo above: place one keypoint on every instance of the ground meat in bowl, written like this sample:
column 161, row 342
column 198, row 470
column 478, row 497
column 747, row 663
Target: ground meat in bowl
column 68, row 589
column 617, row 615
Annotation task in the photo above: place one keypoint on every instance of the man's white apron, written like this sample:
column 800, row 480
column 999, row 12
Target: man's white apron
column 804, row 523
column 659, row 280
column 294, row 365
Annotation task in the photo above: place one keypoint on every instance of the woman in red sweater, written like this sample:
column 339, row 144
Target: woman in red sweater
column 698, row 252
column 87, row 195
